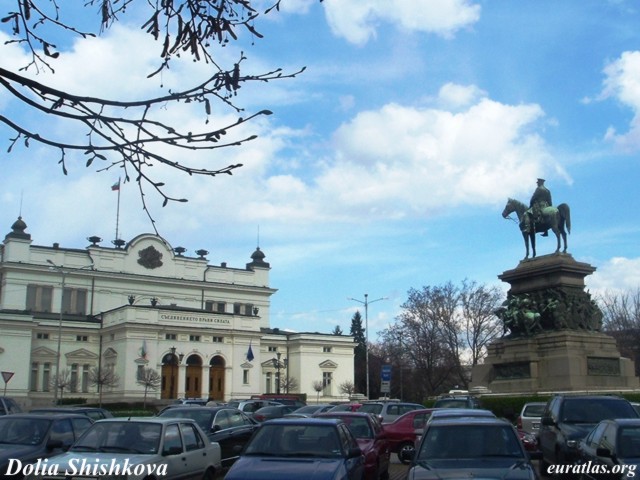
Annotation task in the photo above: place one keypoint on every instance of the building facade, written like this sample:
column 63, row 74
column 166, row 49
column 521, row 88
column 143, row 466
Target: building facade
column 87, row 322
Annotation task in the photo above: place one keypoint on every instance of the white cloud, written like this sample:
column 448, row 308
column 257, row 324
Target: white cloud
column 617, row 275
column 357, row 20
column 622, row 82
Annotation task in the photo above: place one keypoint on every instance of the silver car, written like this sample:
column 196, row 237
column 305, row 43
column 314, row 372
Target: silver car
column 529, row 418
column 137, row 448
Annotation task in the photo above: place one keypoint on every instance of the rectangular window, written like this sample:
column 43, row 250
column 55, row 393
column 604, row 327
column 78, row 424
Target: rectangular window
column 73, row 383
column 46, row 377
column 272, row 349
column 326, row 383
column 268, row 389
column 237, row 308
column 170, row 336
column 194, row 338
column 39, row 298
column 248, row 309
column 42, row 336
column 85, row 378
column 208, row 305
column 245, row 377
column 326, row 349
column 82, row 338
column 218, row 339
column 74, row 301
column 34, row 377
column 221, row 307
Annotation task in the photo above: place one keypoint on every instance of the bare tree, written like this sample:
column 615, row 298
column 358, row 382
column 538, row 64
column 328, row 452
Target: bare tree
column 289, row 384
column 621, row 319
column 482, row 326
column 62, row 380
column 134, row 134
column 318, row 386
column 101, row 378
column 150, row 379
column 347, row 388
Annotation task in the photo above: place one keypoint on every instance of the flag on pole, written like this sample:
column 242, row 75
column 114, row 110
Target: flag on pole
column 115, row 186
column 250, row 356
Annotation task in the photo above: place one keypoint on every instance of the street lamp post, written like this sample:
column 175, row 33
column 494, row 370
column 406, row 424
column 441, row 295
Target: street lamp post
column 57, row 374
column 366, row 303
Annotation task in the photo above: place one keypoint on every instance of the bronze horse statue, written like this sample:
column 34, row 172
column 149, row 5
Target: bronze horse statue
column 554, row 218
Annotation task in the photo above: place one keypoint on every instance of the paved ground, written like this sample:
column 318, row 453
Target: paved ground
column 397, row 471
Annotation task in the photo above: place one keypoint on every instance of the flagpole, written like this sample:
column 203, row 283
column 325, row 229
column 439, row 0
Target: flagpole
column 118, row 212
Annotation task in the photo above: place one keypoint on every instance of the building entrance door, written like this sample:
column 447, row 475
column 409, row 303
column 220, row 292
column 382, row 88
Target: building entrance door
column 193, row 380
column 169, row 384
column 216, row 378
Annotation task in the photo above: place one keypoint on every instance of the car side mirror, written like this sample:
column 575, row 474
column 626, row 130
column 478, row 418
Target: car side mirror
column 53, row 444
column 354, row 452
column 603, row 452
column 548, row 421
column 176, row 450
column 216, row 428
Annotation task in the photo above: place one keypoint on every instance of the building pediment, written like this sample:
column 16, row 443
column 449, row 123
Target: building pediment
column 328, row 364
column 43, row 352
column 81, row 354
column 246, row 365
column 110, row 353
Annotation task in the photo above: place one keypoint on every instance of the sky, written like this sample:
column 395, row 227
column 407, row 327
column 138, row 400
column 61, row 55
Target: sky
column 386, row 164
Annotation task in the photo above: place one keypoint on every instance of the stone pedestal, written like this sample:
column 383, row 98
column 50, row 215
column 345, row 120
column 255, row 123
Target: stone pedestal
column 554, row 342
column 555, row 361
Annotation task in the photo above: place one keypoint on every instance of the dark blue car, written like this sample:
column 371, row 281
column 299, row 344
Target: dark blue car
column 295, row 448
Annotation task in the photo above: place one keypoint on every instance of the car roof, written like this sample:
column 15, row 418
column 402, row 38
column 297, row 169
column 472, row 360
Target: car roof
column 49, row 416
column 343, row 414
column 469, row 421
column 303, row 421
column 145, row 419
column 462, row 411
column 625, row 422
column 200, row 408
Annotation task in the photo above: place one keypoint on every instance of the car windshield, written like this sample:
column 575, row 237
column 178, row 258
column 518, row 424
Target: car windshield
column 629, row 442
column 203, row 418
column 469, row 441
column 120, row 437
column 374, row 408
column 452, row 403
column 295, row 441
column 359, row 426
column 23, row 431
column 587, row 410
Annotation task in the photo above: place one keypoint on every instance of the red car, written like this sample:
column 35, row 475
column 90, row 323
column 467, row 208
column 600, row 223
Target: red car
column 404, row 431
column 371, row 439
column 529, row 440
column 346, row 407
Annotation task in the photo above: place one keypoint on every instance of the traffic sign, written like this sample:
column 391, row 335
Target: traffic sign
column 6, row 376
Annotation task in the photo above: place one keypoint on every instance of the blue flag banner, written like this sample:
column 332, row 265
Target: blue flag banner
column 250, row 356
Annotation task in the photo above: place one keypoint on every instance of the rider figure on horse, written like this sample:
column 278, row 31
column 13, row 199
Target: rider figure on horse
column 540, row 199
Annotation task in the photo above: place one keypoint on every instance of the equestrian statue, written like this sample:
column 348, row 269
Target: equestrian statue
column 540, row 217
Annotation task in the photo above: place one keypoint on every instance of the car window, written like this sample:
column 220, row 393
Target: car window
column 628, row 442
column 596, row 435
column 94, row 414
column 192, row 439
column 420, row 420
column 236, row 419
column 375, row 408
column 346, row 438
column 172, row 438
column 62, row 430
column 533, row 410
column 222, row 419
column 80, row 425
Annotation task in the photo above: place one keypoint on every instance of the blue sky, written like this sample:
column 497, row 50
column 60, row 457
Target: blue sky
column 387, row 163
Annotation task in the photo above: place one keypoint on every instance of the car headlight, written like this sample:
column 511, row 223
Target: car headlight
column 572, row 443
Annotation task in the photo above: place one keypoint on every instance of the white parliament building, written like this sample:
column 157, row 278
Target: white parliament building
column 144, row 304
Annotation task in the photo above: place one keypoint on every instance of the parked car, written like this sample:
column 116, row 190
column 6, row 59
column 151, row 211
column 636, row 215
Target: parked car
column 529, row 440
column 250, row 406
column 529, row 418
column 295, row 448
column 346, row 407
column 26, row 438
column 445, row 413
column 310, row 410
column 371, row 439
column 229, row 427
column 8, row 406
column 145, row 447
column 614, row 445
column 569, row 418
column 274, row 411
column 636, row 405
column 404, row 432
column 388, row 411
column 95, row 413
column 457, row 401
column 284, row 399
column 480, row 447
